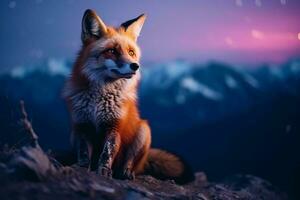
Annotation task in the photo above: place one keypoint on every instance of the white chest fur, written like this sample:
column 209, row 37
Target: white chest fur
column 100, row 103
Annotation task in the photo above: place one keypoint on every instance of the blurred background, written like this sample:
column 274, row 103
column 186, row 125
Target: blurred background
column 220, row 86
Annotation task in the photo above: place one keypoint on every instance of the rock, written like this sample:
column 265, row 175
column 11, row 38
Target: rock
column 32, row 174
column 30, row 164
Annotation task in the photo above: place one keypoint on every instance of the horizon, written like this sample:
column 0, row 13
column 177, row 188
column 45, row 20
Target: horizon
column 57, row 66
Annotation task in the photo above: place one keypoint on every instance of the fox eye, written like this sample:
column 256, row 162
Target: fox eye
column 131, row 53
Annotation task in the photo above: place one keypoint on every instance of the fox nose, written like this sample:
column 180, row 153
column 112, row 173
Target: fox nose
column 134, row 66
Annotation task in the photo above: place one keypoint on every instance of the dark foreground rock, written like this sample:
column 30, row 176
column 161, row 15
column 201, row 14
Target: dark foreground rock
column 30, row 173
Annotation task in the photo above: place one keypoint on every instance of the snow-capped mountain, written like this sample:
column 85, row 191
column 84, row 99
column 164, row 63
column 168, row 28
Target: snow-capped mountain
column 205, row 93
column 179, row 91
column 191, row 92
column 51, row 66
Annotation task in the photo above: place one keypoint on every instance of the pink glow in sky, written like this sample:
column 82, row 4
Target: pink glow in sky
column 242, row 33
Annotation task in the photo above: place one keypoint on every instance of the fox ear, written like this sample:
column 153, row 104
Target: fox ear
column 134, row 26
column 92, row 26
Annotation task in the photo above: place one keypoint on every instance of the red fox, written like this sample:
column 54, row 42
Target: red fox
column 101, row 95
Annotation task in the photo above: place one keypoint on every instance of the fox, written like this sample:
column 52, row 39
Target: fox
column 101, row 96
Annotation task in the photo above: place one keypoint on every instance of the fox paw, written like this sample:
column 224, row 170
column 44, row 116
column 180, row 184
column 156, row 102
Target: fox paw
column 128, row 174
column 105, row 171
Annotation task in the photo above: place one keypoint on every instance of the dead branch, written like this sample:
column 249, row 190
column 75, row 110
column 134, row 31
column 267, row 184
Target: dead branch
column 28, row 126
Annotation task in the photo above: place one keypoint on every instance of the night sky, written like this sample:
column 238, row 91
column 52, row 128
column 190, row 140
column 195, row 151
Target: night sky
column 233, row 31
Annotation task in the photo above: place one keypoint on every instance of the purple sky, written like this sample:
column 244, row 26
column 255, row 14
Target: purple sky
column 234, row 31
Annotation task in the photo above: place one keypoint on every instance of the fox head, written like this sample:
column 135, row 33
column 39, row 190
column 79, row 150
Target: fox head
column 110, row 53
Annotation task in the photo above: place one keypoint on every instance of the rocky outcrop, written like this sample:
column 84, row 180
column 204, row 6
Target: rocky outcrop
column 30, row 173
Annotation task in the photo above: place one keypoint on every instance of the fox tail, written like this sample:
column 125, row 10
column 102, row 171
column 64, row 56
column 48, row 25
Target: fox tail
column 164, row 165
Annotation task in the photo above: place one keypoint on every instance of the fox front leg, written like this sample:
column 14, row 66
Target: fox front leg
column 109, row 152
column 137, row 152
